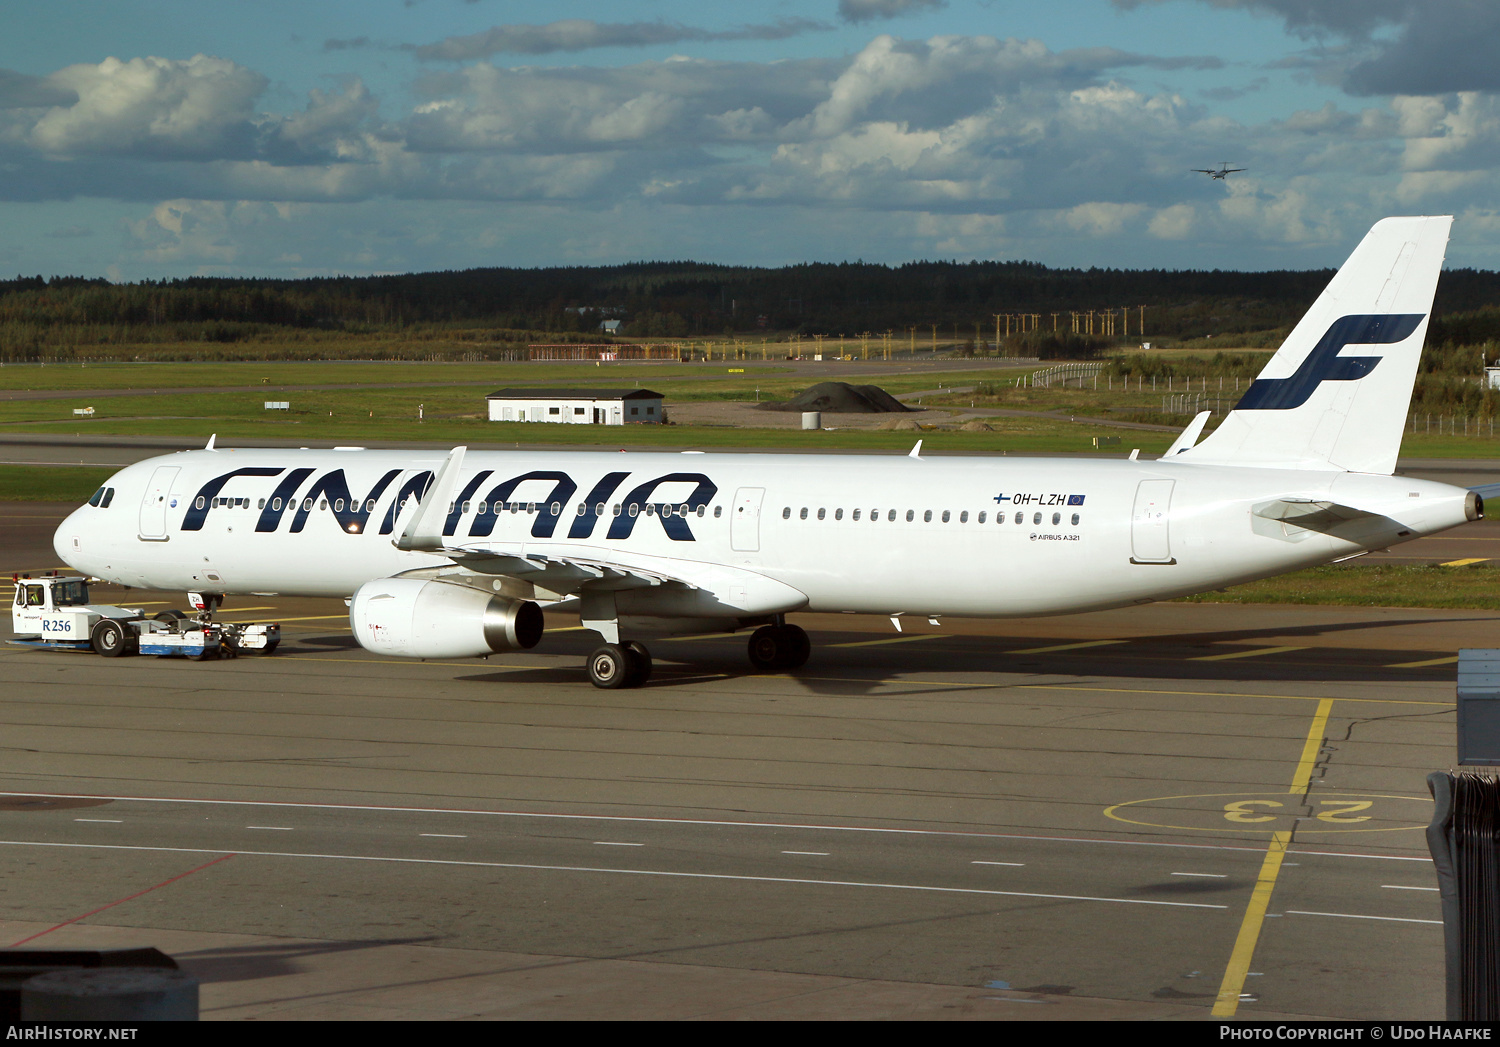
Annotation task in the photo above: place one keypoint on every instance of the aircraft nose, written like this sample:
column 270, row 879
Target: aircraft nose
column 67, row 540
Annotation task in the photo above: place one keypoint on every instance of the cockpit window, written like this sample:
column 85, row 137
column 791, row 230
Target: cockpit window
column 97, row 497
column 109, row 496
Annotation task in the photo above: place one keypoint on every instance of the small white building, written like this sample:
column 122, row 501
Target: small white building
column 576, row 406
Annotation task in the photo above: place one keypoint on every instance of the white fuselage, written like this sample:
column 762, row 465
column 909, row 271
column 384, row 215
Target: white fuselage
column 983, row 537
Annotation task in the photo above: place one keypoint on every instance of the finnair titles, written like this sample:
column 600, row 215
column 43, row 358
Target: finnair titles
column 461, row 554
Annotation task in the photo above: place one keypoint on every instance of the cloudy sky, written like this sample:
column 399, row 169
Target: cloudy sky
column 270, row 137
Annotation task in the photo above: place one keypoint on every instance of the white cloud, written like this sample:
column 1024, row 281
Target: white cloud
column 157, row 106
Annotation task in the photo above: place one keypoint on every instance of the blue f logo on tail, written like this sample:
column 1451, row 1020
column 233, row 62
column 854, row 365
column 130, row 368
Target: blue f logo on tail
column 1324, row 364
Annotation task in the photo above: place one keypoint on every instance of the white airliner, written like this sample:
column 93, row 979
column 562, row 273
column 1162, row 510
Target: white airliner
column 457, row 554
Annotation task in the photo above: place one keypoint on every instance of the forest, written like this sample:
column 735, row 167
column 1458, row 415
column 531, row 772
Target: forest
column 1039, row 311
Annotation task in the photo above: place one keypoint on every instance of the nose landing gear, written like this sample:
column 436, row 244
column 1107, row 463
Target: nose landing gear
column 775, row 647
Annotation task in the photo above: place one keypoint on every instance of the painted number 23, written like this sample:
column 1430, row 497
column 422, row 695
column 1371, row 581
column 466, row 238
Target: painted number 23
column 1339, row 810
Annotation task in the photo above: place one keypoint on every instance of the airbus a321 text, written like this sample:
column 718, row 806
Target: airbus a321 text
column 461, row 554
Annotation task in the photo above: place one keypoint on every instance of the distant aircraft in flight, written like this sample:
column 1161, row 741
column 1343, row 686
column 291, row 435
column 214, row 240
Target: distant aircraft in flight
column 1223, row 171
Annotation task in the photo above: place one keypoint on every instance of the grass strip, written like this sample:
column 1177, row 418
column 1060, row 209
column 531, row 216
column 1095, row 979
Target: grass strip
column 1473, row 587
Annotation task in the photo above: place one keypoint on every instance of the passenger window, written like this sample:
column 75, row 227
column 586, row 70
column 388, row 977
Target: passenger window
column 856, row 515
column 1056, row 519
column 963, row 517
column 1075, row 519
column 634, row 509
column 945, row 516
column 701, row 510
column 822, row 513
column 891, row 516
column 981, row 517
column 912, row 515
column 803, row 514
column 718, row 511
column 1020, row 517
column 927, row 516
column 786, row 514
column 838, row 514
column 1036, row 519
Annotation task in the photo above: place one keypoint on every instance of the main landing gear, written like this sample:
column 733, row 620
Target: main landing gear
column 772, row 648
column 618, row 665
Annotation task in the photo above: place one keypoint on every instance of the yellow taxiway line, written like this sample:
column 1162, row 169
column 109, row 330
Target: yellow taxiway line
column 1253, row 653
column 1232, row 987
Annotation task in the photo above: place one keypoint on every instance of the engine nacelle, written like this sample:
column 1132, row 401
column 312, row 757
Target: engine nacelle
column 422, row 618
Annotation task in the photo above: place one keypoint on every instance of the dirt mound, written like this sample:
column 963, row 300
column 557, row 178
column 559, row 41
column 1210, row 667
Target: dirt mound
column 900, row 423
column 974, row 425
column 841, row 398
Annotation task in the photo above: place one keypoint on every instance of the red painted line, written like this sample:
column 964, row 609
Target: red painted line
column 121, row 901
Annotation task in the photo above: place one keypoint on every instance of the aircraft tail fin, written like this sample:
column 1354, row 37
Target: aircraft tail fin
column 1336, row 393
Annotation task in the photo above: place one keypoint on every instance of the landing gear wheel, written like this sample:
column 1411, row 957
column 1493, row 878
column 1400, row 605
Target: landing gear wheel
column 169, row 616
column 108, row 638
column 765, row 647
column 610, row 667
column 640, row 664
column 798, row 647
column 779, row 647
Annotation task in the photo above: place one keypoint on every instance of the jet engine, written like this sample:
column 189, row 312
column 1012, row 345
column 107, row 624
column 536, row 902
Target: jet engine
column 422, row 618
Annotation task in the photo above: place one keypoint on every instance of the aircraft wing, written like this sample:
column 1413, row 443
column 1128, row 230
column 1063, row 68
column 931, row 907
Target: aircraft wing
column 669, row 585
column 568, row 571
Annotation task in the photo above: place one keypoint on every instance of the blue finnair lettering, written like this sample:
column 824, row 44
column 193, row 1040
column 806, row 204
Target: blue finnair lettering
column 353, row 514
column 584, row 523
column 1324, row 364
column 203, row 501
column 281, row 499
column 415, row 487
column 457, row 511
column 336, row 488
column 675, row 526
column 546, row 519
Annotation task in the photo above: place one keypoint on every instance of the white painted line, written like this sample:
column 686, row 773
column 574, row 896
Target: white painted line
column 449, row 836
column 543, row 815
column 274, row 828
column 1018, row 865
column 1358, row 916
column 815, row 854
column 1206, row 876
column 1403, row 887
column 731, row 877
column 109, row 821
column 616, row 843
